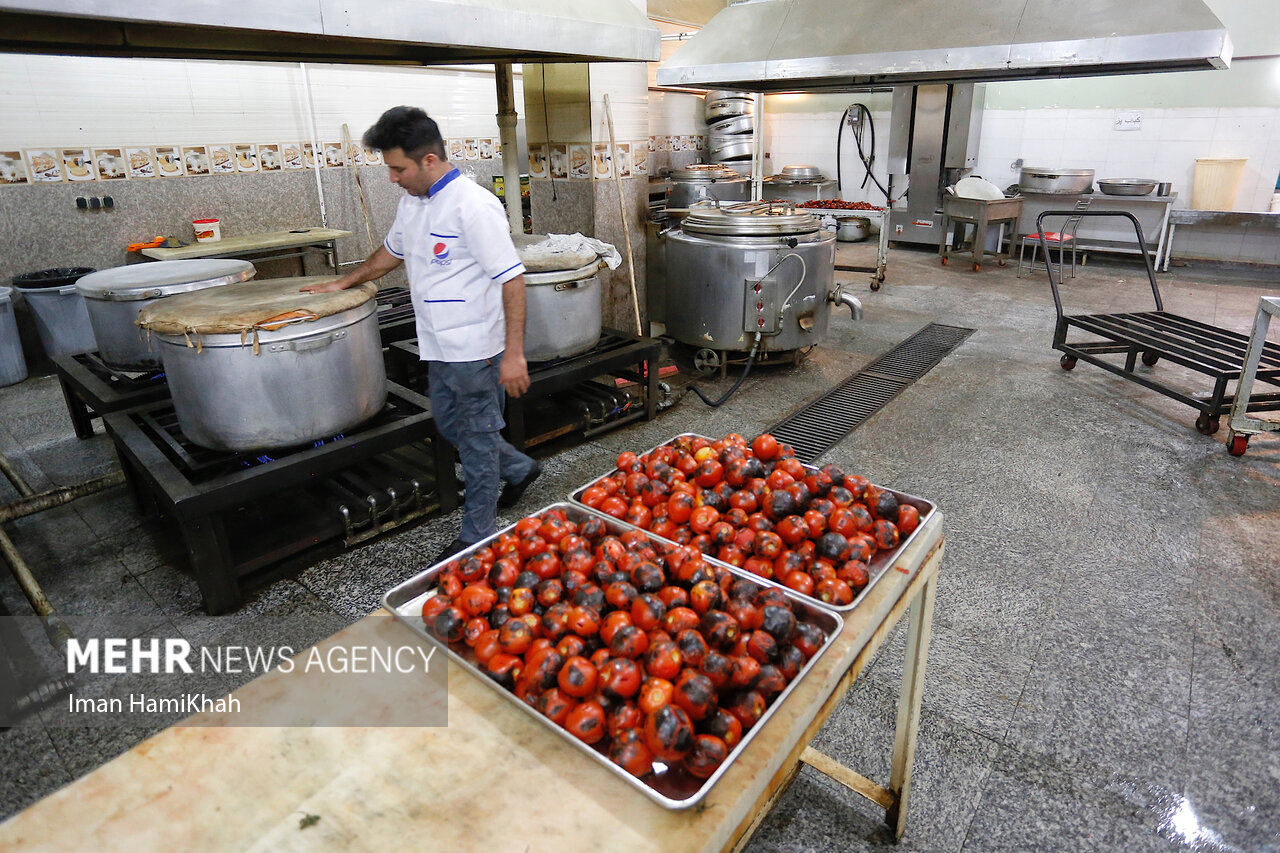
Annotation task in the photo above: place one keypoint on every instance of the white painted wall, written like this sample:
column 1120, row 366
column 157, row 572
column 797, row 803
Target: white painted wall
column 64, row 101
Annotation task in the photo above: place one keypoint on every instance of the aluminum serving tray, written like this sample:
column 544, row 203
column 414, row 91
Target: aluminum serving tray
column 881, row 561
column 671, row 788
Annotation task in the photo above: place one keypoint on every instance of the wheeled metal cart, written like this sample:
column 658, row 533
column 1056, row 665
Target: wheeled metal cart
column 957, row 212
column 1152, row 335
column 1241, row 424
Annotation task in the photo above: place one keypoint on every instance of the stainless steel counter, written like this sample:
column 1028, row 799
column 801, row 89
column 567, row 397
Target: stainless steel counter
column 1152, row 210
column 1219, row 218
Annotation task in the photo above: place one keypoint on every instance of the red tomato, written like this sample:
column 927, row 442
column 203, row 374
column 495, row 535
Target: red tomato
column 654, row 694
column 614, row 506
column 620, row 678
column 800, row 581
column 586, row 722
column 578, row 677
column 908, row 519
column 702, row 518
column 765, row 447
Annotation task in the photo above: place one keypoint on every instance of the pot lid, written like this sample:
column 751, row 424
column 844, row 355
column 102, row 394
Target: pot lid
column 801, row 173
column 162, row 278
column 749, row 219
column 704, row 172
column 259, row 305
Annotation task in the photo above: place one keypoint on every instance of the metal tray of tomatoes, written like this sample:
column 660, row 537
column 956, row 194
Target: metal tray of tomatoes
column 880, row 562
column 669, row 787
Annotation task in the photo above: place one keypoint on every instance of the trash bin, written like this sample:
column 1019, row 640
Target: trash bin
column 60, row 314
column 13, row 367
column 1216, row 182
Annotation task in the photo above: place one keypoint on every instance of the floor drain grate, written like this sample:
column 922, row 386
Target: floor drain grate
column 819, row 425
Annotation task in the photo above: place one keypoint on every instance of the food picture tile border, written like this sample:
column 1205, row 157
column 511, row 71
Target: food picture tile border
column 76, row 164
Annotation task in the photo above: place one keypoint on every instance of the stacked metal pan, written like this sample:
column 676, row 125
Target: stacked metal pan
column 730, row 118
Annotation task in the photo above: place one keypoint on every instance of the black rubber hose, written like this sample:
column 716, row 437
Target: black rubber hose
column 755, row 347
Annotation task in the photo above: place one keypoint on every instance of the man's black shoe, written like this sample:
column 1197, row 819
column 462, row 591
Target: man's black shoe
column 449, row 550
column 513, row 492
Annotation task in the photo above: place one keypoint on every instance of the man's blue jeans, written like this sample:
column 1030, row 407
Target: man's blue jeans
column 467, row 402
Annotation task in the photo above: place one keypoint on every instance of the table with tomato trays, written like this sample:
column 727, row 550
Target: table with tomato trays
column 493, row 779
column 882, row 238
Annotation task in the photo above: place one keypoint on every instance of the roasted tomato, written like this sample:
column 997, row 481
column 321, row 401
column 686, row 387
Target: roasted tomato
column 630, row 752
column 886, row 534
column 790, row 661
column 647, row 611
column 707, row 754
column 486, row 646
column 505, row 669
column 908, row 519
column 570, row 645
column 448, row 623
column 702, row 518
column 655, row 693
column 620, row 678
column 612, row 623
column 695, row 693
column 515, row 636
column 583, row 621
column 663, row 660
column 555, row 705
column 474, row 628
column 777, row 621
column 522, row 601
column 800, row 581
column 624, row 717
column 748, row 707
column 668, row 733
column 706, row 595
column 543, row 669
column 680, row 507
column 808, row 638
column 586, row 722
column 647, row 576
column 771, row 681
column 745, row 671
column 681, row 619
column 555, row 621
column 628, row 642
column 723, row 725
column 762, row 646
column 578, row 677
column 432, row 607
column 834, row 591
column 548, row 592
column 765, row 447
column 854, row 573
column 693, row 647
column 717, row 667
column 719, row 628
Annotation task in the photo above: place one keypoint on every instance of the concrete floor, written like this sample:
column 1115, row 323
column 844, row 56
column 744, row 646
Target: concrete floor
column 1103, row 675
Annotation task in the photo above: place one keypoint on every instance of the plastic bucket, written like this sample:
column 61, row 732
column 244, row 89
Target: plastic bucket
column 13, row 367
column 207, row 230
column 60, row 314
column 1217, row 180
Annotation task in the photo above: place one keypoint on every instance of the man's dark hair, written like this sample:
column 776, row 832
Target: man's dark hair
column 409, row 129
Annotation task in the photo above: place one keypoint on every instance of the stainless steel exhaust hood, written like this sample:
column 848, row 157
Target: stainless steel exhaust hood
column 834, row 45
column 378, row 31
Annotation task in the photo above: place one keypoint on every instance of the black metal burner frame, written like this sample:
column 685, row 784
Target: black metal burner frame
column 617, row 353
column 91, row 388
column 197, row 488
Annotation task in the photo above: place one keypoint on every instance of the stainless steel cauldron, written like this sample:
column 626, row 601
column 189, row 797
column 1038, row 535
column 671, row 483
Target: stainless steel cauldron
column 753, row 268
column 301, row 382
column 706, row 182
column 115, row 296
column 562, row 312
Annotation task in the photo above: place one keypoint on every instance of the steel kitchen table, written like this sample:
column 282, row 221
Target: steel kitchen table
column 493, row 779
column 1249, row 221
column 272, row 246
column 981, row 214
column 1152, row 211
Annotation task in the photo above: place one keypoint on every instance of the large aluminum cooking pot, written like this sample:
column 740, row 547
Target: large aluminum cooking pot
column 1038, row 179
column 732, row 125
column 115, row 296
column 562, row 312
column 796, row 184
column 714, row 111
column 721, row 149
column 718, row 257
column 562, row 298
column 706, row 182
column 262, row 366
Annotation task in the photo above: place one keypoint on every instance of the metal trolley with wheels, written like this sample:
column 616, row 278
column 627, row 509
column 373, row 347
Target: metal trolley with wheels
column 1152, row 335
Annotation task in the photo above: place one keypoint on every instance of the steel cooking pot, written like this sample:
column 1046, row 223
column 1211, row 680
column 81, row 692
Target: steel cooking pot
column 115, row 296
column 706, row 182
column 716, row 259
column 1127, row 186
column 732, row 126
column 562, row 315
column 1039, row 179
column 724, row 108
column 853, row 229
column 261, row 365
column 725, row 148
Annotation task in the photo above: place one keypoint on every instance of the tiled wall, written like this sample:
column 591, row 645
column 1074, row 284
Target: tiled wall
column 801, row 129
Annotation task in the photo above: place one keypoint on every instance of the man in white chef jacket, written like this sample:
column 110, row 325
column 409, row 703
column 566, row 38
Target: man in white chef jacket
column 467, row 285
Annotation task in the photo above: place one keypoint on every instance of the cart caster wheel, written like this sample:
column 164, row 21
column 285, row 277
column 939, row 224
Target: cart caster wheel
column 977, row 267
column 1003, row 263
column 1237, row 444
column 1206, row 425
column 944, row 262
column 875, row 285
column 706, row 361
column 1150, row 358
column 1067, row 362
